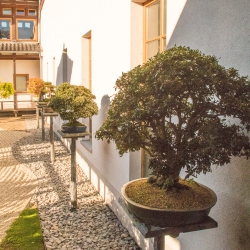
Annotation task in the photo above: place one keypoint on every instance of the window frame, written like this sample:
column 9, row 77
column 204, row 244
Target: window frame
column 35, row 27
column 15, row 80
column 32, row 10
column 20, row 9
column 7, row 9
column 162, row 35
column 7, row 19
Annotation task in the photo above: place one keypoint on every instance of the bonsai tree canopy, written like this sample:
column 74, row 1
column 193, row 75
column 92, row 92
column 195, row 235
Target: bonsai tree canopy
column 35, row 86
column 184, row 109
column 48, row 88
column 6, row 89
column 73, row 102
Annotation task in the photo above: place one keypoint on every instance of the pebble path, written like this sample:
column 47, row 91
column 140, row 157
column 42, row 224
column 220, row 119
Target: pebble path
column 92, row 226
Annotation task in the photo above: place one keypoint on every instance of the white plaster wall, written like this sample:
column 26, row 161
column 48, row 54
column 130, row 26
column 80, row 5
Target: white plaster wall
column 6, row 71
column 220, row 28
column 109, row 22
column 31, row 67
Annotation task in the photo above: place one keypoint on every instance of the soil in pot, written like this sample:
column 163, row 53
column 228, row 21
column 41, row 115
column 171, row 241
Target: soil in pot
column 190, row 195
column 189, row 204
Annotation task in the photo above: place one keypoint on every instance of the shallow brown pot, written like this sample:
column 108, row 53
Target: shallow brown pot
column 167, row 217
column 74, row 129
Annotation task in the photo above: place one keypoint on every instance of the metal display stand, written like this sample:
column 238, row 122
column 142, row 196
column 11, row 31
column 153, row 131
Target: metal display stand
column 51, row 133
column 73, row 186
column 158, row 233
column 39, row 108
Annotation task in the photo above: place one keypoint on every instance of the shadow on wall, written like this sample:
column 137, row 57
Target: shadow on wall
column 64, row 69
column 219, row 28
column 103, row 112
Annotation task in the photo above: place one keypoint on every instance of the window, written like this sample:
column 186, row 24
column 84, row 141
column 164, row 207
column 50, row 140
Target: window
column 20, row 12
column 7, row 11
column 154, row 28
column 87, row 80
column 155, row 23
column 21, row 82
column 32, row 12
column 5, row 29
column 25, row 30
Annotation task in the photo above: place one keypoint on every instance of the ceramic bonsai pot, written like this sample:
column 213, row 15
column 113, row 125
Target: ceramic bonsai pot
column 74, row 129
column 167, row 217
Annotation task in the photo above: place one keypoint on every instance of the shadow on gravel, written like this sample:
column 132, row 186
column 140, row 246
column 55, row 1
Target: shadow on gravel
column 35, row 154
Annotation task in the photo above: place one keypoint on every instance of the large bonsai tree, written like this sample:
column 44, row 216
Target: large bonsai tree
column 184, row 109
column 73, row 102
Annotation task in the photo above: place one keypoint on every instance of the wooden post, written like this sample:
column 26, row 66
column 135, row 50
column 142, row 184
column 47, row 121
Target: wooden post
column 73, row 188
column 43, row 130
column 51, row 132
column 159, row 242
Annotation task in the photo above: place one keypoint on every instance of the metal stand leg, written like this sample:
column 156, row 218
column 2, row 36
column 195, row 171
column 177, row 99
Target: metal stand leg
column 73, row 188
column 37, row 116
column 51, row 132
column 43, row 130
column 159, row 242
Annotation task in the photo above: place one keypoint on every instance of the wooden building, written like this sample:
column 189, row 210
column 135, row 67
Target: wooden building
column 20, row 50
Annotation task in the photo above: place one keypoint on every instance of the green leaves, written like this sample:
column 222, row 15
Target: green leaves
column 73, row 102
column 6, row 89
column 184, row 109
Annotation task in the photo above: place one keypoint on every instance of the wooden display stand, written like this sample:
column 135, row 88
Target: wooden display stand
column 158, row 233
column 73, row 186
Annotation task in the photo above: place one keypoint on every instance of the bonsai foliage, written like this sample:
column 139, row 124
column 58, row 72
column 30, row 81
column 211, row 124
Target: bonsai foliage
column 73, row 102
column 35, row 86
column 6, row 89
column 184, row 109
column 48, row 88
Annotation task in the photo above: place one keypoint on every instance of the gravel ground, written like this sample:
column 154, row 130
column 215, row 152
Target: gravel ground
column 93, row 225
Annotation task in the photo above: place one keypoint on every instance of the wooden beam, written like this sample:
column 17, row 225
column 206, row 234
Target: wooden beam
column 20, row 57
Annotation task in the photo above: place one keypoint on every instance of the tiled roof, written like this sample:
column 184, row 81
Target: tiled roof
column 19, row 47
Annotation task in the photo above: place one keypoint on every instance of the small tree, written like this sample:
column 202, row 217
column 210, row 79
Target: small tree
column 184, row 109
column 48, row 88
column 35, row 86
column 73, row 102
column 6, row 89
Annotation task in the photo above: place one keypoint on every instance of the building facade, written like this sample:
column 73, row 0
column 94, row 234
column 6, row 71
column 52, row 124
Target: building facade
column 91, row 43
column 20, row 49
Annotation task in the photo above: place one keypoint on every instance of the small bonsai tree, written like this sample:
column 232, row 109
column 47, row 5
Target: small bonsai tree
column 48, row 88
column 35, row 86
column 6, row 89
column 184, row 109
column 73, row 102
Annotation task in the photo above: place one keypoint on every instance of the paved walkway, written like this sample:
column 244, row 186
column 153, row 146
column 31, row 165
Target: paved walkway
column 17, row 182
column 26, row 174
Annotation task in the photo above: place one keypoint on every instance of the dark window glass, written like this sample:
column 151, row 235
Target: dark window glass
column 32, row 12
column 26, row 29
column 20, row 12
column 4, row 29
